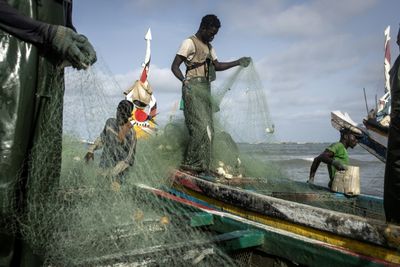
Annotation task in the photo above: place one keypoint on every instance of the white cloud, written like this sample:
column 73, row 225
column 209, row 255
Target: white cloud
column 283, row 18
column 161, row 79
column 156, row 5
column 304, row 63
column 312, row 56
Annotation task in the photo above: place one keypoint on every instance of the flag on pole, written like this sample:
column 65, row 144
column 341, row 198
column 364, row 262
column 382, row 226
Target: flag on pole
column 146, row 63
column 387, row 60
column 384, row 105
column 141, row 94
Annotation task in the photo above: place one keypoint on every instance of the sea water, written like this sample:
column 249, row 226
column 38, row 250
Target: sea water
column 295, row 160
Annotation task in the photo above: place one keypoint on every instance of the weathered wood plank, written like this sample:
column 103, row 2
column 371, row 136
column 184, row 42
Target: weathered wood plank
column 367, row 230
column 295, row 247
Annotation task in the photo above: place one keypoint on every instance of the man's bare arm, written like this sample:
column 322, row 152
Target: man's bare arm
column 178, row 60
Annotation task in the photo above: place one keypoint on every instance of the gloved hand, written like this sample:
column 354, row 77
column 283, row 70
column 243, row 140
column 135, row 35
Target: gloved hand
column 73, row 47
column 89, row 156
column 338, row 165
column 244, row 61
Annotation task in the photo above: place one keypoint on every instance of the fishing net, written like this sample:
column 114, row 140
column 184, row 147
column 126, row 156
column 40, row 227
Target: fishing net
column 77, row 215
column 243, row 106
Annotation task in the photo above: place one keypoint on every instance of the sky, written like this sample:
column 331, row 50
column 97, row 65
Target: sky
column 313, row 56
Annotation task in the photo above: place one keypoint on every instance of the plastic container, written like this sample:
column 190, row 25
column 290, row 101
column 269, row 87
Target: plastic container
column 347, row 182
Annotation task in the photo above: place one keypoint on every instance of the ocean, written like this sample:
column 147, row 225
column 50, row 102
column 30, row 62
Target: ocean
column 295, row 160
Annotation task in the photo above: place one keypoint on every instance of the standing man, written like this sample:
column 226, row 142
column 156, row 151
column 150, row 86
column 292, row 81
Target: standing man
column 201, row 63
column 391, row 195
column 335, row 156
column 37, row 40
column 118, row 140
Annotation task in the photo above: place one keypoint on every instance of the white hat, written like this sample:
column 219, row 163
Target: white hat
column 141, row 92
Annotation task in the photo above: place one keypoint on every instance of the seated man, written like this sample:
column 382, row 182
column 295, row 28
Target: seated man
column 335, row 155
column 118, row 141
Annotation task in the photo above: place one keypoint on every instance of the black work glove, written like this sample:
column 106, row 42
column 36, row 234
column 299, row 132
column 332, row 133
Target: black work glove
column 73, row 47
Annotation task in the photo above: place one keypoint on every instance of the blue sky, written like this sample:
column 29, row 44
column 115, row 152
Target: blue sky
column 313, row 56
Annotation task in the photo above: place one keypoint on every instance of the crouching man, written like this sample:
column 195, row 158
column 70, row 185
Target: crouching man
column 118, row 141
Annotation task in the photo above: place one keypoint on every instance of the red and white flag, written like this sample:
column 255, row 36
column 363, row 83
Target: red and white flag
column 146, row 63
column 387, row 59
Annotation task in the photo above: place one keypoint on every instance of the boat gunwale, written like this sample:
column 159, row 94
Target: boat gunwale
column 355, row 227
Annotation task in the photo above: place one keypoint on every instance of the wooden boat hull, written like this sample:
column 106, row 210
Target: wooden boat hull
column 277, row 241
column 369, row 237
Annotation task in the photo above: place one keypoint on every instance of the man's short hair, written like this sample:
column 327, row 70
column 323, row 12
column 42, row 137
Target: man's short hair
column 209, row 21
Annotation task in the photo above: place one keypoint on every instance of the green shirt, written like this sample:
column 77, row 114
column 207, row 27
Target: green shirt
column 340, row 154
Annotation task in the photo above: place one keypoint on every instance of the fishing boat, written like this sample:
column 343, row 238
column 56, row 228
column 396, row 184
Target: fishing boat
column 375, row 127
column 372, row 138
column 266, row 241
column 354, row 227
column 252, row 219
column 253, row 229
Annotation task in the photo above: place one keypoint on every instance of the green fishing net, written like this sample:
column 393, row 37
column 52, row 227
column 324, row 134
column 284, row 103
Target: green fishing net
column 76, row 216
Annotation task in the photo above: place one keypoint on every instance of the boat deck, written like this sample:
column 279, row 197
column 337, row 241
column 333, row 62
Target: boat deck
column 366, row 206
column 354, row 224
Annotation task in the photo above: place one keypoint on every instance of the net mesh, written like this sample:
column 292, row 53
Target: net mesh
column 243, row 106
column 78, row 216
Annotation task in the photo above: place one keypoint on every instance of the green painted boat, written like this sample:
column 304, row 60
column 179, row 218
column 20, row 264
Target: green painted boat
column 355, row 227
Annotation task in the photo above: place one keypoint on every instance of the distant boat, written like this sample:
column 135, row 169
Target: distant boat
column 375, row 127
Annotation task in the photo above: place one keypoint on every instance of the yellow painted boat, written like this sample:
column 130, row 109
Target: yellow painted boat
column 363, row 237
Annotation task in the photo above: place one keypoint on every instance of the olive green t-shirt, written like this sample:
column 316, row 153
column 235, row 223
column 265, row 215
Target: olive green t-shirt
column 340, row 154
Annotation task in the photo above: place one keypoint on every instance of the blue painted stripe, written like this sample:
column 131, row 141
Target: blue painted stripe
column 190, row 198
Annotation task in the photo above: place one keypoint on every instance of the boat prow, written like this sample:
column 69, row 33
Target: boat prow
column 372, row 140
column 373, row 125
